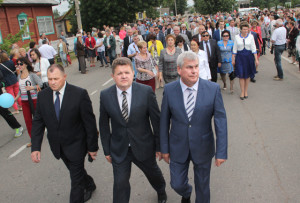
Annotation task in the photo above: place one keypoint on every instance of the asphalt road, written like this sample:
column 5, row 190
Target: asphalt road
column 264, row 143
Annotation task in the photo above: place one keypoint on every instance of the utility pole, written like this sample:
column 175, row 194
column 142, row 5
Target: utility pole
column 78, row 16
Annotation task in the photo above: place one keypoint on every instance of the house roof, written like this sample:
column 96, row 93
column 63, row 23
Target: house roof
column 64, row 16
column 47, row 2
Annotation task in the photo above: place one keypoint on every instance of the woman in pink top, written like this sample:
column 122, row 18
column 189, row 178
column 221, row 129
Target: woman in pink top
column 122, row 33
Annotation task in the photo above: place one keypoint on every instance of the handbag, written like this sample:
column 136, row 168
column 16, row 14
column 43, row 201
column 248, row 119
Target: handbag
column 69, row 59
column 153, row 67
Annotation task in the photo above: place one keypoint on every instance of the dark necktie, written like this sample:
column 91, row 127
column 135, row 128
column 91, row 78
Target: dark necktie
column 125, row 107
column 208, row 52
column 57, row 105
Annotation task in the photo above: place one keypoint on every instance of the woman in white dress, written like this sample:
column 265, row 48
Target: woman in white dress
column 204, row 71
column 119, row 43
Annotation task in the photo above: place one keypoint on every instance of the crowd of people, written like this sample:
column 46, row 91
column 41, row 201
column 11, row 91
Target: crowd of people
column 177, row 53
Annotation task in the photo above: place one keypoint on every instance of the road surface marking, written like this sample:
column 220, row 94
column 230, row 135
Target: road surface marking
column 18, row 151
column 93, row 93
column 107, row 82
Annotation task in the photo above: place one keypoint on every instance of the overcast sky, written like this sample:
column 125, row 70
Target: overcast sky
column 63, row 7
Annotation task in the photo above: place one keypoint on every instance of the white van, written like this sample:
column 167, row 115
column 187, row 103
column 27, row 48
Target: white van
column 243, row 11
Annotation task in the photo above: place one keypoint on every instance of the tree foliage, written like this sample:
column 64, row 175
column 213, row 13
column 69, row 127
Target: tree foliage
column 10, row 39
column 107, row 12
column 181, row 6
column 213, row 6
column 56, row 13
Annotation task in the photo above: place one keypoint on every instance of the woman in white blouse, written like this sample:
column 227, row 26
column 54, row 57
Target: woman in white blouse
column 204, row 71
column 40, row 65
column 244, row 58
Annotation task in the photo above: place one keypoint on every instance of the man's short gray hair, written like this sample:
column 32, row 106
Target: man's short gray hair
column 135, row 35
column 176, row 27
column 279, row 22
column 189, row 55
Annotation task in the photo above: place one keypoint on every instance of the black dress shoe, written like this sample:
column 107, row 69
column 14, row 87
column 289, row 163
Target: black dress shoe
column 246, row 97
column 162, row 198
column 88, row 192
column 186, row 200
column 242, row 98
column 253, row 80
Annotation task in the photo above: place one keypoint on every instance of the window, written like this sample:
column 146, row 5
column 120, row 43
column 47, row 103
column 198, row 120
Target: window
column 22, row 18
column 140, row 15
column 1, row 41
column 45, row 25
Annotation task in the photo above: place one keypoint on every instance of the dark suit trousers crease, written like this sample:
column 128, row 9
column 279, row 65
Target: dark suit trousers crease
column 179, row 180
column 80, row 180
column 122, row 171
column 213, row 72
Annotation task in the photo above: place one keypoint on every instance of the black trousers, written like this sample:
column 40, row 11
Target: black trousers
column 51, row 61
column 80, row 180
column 121, row 190
column 213, row 72
column 9, row 117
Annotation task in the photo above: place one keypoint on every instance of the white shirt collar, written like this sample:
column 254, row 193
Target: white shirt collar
column 61, row 91
column 128, row 91
column 184, row 87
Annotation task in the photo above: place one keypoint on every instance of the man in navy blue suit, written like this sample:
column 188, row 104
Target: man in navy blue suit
column 186, row 132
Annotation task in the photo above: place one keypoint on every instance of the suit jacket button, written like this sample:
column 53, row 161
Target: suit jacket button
column 190, row 126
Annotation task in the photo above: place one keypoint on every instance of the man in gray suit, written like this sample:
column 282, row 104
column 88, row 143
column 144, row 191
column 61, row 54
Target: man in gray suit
column 126, row 110
column 186, row 133
column 185, row 37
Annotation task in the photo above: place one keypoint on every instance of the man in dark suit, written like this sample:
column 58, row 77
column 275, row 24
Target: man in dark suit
column 256, row 38
column 212, row 50
column 218, row 32
column 127, row 41
column 128, row 108
column 185, row 31
column 198, row 37
column 160, row 36
column 186, row 132
column 66, row 111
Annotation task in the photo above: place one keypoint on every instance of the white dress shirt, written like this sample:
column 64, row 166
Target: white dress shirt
column 47, row 51
column 61, row 94
column 279, row 36
column 186, row 92
column 128, row 97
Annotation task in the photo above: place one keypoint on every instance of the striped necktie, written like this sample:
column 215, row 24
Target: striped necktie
column 190, row 104
column 125, row 107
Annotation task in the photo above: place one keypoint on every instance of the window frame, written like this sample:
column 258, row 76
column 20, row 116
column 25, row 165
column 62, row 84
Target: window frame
column 23, row 16
column 1, row 39
column 49, row 33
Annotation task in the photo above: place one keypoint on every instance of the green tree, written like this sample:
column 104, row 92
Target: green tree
column 213, row 6
column 11, row 39
column 181, row 6
column 107, row 12
column 56, row 13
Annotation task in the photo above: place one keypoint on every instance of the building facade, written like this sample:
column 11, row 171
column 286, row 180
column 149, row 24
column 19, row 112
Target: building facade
column 14, row 14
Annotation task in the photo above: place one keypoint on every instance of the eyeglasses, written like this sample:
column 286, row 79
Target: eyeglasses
column 205, row 35
column 20, row 64
column 225, row 35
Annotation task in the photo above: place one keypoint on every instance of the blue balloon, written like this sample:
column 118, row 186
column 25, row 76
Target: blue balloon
column 6, row 100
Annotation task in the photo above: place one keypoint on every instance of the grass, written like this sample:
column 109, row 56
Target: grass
column 72, row 55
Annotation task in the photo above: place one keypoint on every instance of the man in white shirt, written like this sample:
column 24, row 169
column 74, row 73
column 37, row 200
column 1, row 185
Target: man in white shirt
column 279, row 40
column 133, row 50
column 233, row 30
column 47, row 52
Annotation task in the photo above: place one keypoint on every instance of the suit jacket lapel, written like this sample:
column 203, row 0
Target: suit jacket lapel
column 50, row 102
column 65, row 101
column 134, row 98
column 115, row 101
column 199, row 98
column 180, row 99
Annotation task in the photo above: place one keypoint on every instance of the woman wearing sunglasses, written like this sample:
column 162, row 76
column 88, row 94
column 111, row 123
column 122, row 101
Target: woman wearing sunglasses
column 29, row 84
column 226, row 47
column 244, row 58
